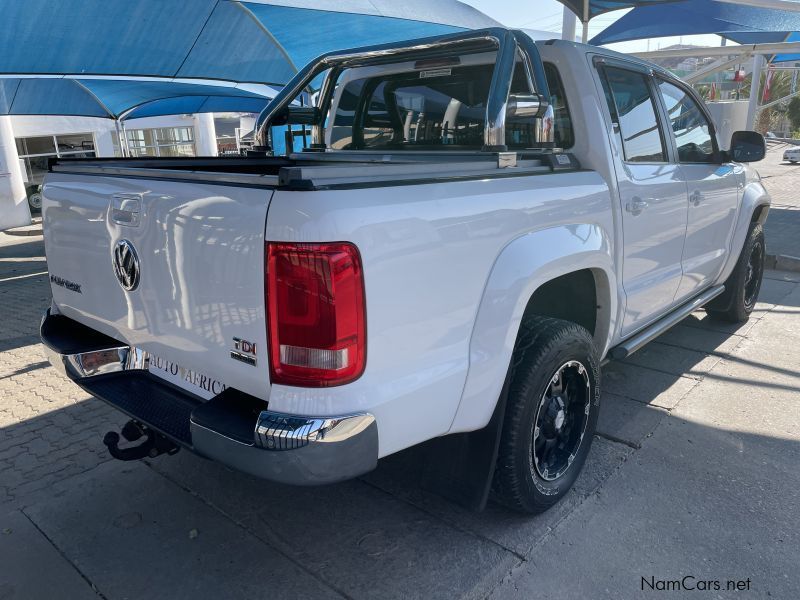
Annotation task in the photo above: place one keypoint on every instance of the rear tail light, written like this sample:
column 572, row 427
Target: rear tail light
column 316, row 314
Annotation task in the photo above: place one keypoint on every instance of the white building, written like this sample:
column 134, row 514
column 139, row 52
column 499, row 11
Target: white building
column 28, row 142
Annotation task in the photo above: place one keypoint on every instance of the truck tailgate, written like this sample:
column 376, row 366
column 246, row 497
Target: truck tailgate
column 200, row 253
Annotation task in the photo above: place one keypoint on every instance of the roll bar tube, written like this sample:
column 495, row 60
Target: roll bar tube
column 508, row 44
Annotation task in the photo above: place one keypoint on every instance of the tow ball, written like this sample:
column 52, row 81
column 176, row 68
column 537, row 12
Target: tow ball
column 154, row 443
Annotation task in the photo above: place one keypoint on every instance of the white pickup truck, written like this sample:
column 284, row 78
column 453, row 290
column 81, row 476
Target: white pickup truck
column 475, row 223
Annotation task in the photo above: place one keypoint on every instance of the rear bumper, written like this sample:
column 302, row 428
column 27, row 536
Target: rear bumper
column 232, row 428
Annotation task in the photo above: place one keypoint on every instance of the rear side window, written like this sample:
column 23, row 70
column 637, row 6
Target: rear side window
column 633, row 107
column 693, row 133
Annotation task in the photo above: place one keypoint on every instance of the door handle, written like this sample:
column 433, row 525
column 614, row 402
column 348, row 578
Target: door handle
column 696, row 198
column 126, row 209
column 636, row 206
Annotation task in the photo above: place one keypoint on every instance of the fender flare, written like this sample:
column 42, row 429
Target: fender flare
column 754, row 198
column 523, row 266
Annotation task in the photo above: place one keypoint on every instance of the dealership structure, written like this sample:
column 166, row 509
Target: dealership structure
column 197, row 92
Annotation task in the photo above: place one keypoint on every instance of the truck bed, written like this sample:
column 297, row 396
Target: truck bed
column 328, row 170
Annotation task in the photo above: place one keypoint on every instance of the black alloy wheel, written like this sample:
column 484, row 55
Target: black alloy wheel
column 561, row 420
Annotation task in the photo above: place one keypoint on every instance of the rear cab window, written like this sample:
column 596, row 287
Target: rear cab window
column 430, row 108
column 564, row 132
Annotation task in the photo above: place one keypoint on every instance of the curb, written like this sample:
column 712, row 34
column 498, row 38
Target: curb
column 24, row 231
column 35, row 228
column 782, row 262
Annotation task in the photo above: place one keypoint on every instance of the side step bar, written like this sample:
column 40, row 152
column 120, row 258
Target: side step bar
column 632, row 344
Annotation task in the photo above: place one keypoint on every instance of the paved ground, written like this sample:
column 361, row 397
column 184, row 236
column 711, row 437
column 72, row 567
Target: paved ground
column 694, row 473
column 783, row 182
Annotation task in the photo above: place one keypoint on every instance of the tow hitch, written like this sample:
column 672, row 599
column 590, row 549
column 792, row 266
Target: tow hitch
column 153, row 445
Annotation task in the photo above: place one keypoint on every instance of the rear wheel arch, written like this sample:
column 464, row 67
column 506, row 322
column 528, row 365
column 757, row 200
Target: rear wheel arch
column 582, row 297
column 526, row 265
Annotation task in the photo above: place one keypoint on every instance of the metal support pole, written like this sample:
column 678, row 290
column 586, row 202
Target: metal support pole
column 585, row 21
column 755, row 88
column 126, row 146
column 568, row 25
column 120, row 139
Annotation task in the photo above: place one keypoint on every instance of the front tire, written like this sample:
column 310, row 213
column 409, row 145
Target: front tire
column 35, row 201
column 551, row 414
column 742, row 287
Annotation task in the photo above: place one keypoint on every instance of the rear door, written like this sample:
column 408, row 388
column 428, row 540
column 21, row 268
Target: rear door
column 653, row 196
column 712, row 188
column 198, row 285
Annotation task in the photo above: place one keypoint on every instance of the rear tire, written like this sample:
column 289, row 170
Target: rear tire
column 551, row 414
column 742, row 287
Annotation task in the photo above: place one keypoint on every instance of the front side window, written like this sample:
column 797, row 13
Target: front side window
column 633, row 108
column 693, row 132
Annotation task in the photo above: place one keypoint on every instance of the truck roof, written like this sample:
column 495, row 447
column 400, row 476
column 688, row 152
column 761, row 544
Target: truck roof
column 605, row 52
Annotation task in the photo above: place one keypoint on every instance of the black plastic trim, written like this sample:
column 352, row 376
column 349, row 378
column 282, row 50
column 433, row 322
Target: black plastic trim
column 66, row 336
column 307, row 185
column 145, row 398
column 231, row 413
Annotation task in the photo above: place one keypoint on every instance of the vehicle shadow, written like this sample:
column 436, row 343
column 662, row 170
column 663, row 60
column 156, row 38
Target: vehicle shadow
column 382, row 536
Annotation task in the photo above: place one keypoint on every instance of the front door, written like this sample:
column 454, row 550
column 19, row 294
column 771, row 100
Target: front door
column 653, row 196
column 711, row 189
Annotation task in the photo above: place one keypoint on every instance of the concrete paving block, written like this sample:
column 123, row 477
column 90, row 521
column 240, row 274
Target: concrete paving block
column 357, row 538
column 645, row 385
column 672, row 359
column 136, row 535
column 742, row 412
column 773, row 345
column 31, row 568
column 784, row 262
column 782, row 275
column 398, row 475
column 703, row 320
column 754, row 385
column 700, row 340
column 773, row 291
column 627, row 420
column 685, row 506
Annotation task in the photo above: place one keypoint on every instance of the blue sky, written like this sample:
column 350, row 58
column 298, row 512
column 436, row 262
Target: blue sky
column 547, row 15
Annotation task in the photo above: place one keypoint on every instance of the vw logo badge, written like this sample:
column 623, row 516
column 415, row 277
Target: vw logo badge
column 126, row 265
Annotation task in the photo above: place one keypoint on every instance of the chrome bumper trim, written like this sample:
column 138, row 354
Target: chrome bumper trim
column 276, row 431
column 318, row 451
column 81, row 365
column 293, row 449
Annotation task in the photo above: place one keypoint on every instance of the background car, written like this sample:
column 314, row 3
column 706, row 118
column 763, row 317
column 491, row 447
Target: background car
column 792, row 155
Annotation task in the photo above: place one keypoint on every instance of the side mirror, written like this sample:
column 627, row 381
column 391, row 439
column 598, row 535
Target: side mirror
column 297, row 115
column 747, row 146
